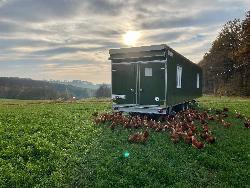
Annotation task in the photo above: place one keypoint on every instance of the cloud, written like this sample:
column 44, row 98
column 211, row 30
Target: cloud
column 10, row 43
column 39, row 10
column 109, row 7
column 165, row 36
column 63, row 50
column 6, row 27
column 70, row 39
column 201, row 18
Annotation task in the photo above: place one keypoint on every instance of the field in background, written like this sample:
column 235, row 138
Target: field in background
column 49, row 144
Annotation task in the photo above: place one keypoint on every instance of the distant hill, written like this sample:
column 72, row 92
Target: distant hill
column 23, row 88
column 77, row 83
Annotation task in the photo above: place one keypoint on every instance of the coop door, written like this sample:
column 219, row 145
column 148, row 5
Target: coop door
column 123, row 83
column 151, row 86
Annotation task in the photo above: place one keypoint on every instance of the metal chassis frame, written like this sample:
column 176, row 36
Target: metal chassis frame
column 144, row 109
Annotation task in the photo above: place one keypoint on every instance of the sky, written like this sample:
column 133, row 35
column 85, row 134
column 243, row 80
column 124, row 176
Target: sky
column 70, row 39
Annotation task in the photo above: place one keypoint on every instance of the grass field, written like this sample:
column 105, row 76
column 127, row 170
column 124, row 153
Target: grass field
column 46, row 144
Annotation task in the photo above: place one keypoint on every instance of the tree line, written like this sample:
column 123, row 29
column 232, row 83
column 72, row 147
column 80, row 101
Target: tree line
column 20, row 88
column 226, row 67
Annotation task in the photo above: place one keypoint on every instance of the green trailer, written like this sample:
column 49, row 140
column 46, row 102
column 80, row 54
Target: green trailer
column 153, row 79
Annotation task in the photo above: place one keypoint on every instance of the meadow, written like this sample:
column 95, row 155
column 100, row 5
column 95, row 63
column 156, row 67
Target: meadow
column 50, row 144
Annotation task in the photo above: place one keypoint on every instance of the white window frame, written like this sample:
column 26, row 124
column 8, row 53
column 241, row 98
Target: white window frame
column 197, row 80
column 178, row 76
column 148, row 71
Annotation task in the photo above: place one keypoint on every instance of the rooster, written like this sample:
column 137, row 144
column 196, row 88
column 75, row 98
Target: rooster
column 247, row 123
column 113, row 125
column 210, row 139
column 193, row 127
column 205, row 128
column 143, row 137
column 174, row 136
column 179, row 128
column 187, row 138
column 210, row 117
column 160, row 129
column 196, row 143
column 204, row 135
column 126, row 124
column 145, row 123
column 190, row 132
column 218, row 117
column 203, row 121
column 167, row 126
column 225, row 109
column 224, row 115
column 225, row 124
column 238, row 116
column 95, row 114
column 133, row 138
column 139, row 137
column 97, row 120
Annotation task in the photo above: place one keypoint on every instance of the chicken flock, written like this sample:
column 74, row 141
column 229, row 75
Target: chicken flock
column 182, row 126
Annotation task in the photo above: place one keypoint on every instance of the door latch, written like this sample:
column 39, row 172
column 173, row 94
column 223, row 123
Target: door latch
column 140, row 89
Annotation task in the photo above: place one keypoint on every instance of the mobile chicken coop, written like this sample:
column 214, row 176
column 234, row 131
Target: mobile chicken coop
column 153, row 79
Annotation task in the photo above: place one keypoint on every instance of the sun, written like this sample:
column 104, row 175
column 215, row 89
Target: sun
column 131, row 37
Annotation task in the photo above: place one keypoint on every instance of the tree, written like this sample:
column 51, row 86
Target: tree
column 220, row 65
column 103, row 91
column 17, row 88
column 244, row 53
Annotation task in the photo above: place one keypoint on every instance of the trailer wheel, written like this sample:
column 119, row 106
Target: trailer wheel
column 183, row 108
column 178, row 108
column 132, row 113
column 169, row 110
column 186, row 105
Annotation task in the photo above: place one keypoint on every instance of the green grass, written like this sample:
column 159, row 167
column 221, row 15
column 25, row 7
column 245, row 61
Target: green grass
column 47, row 144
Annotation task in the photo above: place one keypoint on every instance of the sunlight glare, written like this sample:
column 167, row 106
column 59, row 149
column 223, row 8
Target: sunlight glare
column 131, row 37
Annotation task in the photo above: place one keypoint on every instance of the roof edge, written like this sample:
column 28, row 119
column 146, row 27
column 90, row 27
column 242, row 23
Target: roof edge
column 138, row 49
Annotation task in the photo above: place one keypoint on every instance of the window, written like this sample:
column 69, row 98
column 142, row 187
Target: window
column 148, row 71
column 198, row 80
column 178, row 76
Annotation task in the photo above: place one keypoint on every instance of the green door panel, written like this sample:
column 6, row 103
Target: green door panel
column 152, row 83
column 123, row 82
